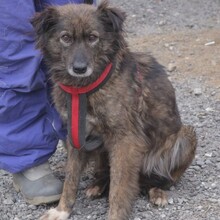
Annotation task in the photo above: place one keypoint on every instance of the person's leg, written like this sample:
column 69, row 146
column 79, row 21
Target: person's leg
column 29, row 128
column 29, row 125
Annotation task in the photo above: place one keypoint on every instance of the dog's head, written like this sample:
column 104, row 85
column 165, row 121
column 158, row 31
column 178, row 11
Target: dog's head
column 78, row 41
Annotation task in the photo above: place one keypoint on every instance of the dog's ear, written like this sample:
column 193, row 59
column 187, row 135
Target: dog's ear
column 43, row 22
column 112, row 18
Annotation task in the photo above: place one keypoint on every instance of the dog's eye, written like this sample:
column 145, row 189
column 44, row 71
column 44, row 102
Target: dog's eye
column 92, row 38
column 66, row 38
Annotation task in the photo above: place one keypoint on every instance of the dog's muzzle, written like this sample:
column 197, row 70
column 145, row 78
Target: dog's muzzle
column 80, row 67
column 80, row 70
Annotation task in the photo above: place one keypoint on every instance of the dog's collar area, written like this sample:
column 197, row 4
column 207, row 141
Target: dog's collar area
column 77, row 109
column 90, row 87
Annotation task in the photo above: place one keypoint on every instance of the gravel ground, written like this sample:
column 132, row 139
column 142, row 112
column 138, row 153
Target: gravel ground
column 175, row 32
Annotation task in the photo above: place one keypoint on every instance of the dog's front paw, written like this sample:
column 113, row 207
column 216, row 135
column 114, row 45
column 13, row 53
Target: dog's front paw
column 158, row 197
column 54, row 214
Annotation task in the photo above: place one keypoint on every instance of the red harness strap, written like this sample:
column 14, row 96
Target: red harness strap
column 78, row 102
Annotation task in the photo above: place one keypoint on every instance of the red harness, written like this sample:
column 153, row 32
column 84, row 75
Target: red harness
column 77, row 109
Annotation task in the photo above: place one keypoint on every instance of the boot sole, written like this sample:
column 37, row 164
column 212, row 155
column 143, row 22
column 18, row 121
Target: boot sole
column 39, row 200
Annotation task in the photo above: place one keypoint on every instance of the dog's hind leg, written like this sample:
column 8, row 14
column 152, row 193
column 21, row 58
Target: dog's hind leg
column 166, row 166
column 125, row 165
column 75, row 164
column 102, row 176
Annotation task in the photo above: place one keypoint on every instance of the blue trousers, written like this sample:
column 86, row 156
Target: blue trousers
column 30, row 127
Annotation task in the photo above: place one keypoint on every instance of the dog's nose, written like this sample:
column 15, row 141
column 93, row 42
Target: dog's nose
column 79, row 67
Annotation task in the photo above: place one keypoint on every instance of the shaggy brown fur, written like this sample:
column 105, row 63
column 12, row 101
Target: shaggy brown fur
column 135, row 112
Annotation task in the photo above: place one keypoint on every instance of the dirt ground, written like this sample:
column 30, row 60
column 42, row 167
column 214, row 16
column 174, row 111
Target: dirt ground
column 187, row 51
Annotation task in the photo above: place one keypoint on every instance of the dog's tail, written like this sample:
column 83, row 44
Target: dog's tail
column 172, row 159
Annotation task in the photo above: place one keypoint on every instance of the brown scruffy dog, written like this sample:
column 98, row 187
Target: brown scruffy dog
column 132, row 124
